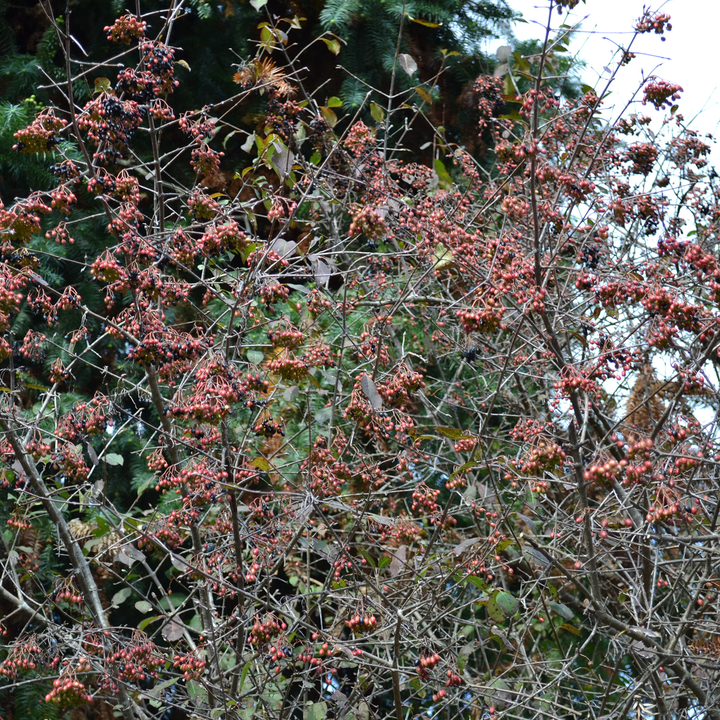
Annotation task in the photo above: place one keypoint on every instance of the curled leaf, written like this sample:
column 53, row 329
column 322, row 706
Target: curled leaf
column 407, row 63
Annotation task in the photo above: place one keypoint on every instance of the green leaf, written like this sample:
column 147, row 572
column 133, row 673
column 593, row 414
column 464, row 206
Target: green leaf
column 464, row 468
column 258, row 4
column 254, row 356
column 315, row 711
column 315, row 158
column 384, row 561
column 143, row 606
column 158, row 689
column 149, row 481
column 494, row 609
column 478, row 582
column 445, row 181
column 121, row 596
column 114, row 459
column 243, row 675
column 334, row 102
column 562, row 610
column 506, row 602
column 198, row 694
column 147, row 621
column 367, row 556
column 378, row 114
column 171, row 602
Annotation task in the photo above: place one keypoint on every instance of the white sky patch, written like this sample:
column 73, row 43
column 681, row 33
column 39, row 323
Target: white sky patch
column 688, row 57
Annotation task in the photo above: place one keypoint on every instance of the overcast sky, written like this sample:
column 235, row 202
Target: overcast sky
column 688, row 57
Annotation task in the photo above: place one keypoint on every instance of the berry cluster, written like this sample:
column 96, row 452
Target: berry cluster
column 660, row 93
column 543, row 456
column 66, row 170
column 126, row 29
column 315, row 659
column 343, row 562
column 22, row 222
column 33, row 346
column 426, row 662
column 453, row 679
column 667, row 504
column 138, row 660
column 198, row 125
column 653, row 22
column 424, row 500
column 360, row 139
column 273, row 293
column 159, row 59
column 264, row 632
column 286, row 336
column 136, row 86
column 41, row 135
column 191, row 666
column 202, row 206
column 110, row 123
column 84, row 421
column 67, row 593
column 362, row 623
column 397, row 392
column 277, row 652
column 483, row 319
column 642, row 156
column 368, row 221
column 204, row 160
column 282, row 116
column 68, row 692
column 268, row 427
column 21, row 658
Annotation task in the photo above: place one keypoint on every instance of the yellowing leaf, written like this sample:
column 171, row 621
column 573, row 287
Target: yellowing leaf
column 425, row 23
column 425, row 96
column 448, row 432
column 571, row 629
column 378, row 114
column 443, row 257
column 332, row 45
column 102, row 84
column 329, row 115
column 261, row 463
